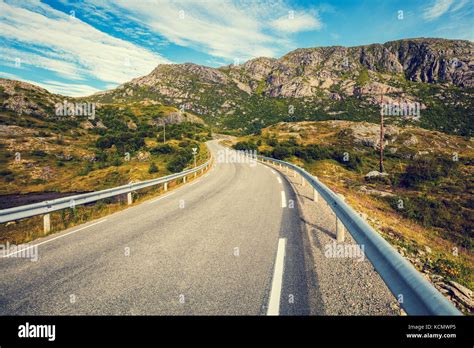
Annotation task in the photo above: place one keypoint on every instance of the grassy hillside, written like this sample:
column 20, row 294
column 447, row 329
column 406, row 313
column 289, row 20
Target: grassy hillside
column 122, row 143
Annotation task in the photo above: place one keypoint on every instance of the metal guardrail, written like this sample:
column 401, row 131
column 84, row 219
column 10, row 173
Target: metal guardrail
column 419, row 296
column 47, row 207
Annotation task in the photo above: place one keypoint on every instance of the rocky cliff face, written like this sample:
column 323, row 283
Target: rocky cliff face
column 305, row 72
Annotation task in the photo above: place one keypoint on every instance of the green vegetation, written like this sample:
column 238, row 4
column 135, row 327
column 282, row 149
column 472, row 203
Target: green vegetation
column 153, row 168
column 123, row 143
column 363, row 77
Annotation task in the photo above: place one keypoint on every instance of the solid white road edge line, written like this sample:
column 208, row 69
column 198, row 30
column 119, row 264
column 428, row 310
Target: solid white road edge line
column 63, row 235
column 277, row 281
column 283, row 199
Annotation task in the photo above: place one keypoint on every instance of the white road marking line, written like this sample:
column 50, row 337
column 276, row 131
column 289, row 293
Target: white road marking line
column 160, row 198
column 277, row 281
column 283, row 199
column 61, row 236
column 279, row 180
column 273, row 171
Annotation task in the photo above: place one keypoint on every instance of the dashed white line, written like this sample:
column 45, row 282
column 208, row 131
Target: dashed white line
column 277, row 281
column 279, row 180
column 61, row 236
column 283, row 199
column 273, row 171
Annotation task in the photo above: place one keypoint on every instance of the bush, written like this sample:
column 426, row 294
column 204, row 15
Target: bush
column 312, row 152
column 427, row 169
column 38, row 153
column 179, row 162
column 163, row 149
column 350, row 160
column 272, row 142
column 245, row 146
column 184, row 143
column 440, row 213
column 86, row 169
column 153, row 168
column 124, row 141
column 281, row 152
column 5, row 172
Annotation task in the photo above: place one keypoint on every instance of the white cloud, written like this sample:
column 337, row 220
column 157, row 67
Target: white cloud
column 223, row 29
column 67, row 89
column 437, row 9
column 459, row 5
column 70, row 47
column 294, row 22
column 57, row 64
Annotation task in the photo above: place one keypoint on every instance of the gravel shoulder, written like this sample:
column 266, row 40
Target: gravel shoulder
column 343, row 283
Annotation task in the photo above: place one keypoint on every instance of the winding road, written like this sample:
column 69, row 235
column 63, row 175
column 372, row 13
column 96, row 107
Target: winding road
column 228, row 243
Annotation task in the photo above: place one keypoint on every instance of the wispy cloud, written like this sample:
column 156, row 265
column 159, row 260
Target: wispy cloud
column 223, row 29
column 297, row 22
column 69, row 89
column 439, row 8
column 69, row 47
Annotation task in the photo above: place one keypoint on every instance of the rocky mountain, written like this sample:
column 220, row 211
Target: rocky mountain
column 320, row 83
column 21, row 98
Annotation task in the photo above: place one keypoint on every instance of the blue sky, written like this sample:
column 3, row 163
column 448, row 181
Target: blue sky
column 78, row 48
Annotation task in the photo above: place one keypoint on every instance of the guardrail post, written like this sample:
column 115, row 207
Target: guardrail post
column 46, row 223
column 195, row 174
column 315, row 195
column 129, row 198
column 165, row 187
column 302, row 180
column 340, row 229
column 184, row 179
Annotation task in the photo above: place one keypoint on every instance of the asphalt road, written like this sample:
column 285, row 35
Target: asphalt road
column 225, row 244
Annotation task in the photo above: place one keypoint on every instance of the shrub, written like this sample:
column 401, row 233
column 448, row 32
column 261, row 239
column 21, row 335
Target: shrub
column 281, row 152
column 163, row 149
column 5, row 172
column 272, row 142
column 350, row 160
column 86, row 169
column 38, row 153
column 124, row 141
column 179, row 162
column 153, row 168
column 245, row 146
column 427, row 169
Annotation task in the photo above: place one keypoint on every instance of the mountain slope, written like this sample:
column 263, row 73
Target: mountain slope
column 321, row 83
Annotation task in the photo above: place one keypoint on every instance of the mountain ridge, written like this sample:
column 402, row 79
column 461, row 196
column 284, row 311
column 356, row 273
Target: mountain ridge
column 331, row 82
